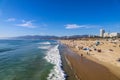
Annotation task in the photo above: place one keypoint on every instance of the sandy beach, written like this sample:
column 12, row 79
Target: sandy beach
column 104, row 53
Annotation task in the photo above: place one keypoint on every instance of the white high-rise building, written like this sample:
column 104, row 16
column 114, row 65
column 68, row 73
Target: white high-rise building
column 102, row 31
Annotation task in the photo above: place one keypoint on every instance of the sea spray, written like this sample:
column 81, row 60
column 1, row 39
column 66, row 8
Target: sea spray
column 54, row 57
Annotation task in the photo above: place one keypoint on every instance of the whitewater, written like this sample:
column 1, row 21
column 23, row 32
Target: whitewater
column 53, row 56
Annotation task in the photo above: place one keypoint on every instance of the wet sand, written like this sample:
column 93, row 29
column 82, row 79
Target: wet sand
column 69, row 73
column 81, row 68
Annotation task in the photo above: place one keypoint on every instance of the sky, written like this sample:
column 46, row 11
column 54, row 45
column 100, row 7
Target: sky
column 58, row 17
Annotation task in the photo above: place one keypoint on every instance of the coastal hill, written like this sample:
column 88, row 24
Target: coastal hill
column 35, row 37
column 50, row 37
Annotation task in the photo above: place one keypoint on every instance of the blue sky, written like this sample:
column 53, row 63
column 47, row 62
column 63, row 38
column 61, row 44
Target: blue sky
column 58, row 17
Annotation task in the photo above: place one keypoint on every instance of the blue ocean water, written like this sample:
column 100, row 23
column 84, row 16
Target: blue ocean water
column 30, row 60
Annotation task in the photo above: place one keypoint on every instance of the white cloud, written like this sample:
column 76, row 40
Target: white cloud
column 75, row 26
column 11, row 19
column 27, row 24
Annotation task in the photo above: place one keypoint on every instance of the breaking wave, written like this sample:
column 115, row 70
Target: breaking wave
column 54, row 57
column 44, row 42
column 44, row 47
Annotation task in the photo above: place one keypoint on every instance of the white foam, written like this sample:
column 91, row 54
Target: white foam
column 44, row 42
column 54, row 57
column 44, row 47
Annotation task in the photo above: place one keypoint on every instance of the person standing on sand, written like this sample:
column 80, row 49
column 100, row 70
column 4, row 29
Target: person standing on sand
column 81, row 55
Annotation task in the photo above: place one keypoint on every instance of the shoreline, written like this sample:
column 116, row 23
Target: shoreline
column 65, row 65
column 74, row 60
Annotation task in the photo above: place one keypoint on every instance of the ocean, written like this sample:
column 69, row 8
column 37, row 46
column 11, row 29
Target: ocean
column 30, row 60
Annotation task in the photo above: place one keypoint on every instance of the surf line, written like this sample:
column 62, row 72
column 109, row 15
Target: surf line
column 53, row 56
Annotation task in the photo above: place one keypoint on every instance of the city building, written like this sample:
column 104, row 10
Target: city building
column 106, row 34
column 102, row 31
column 115, row 34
